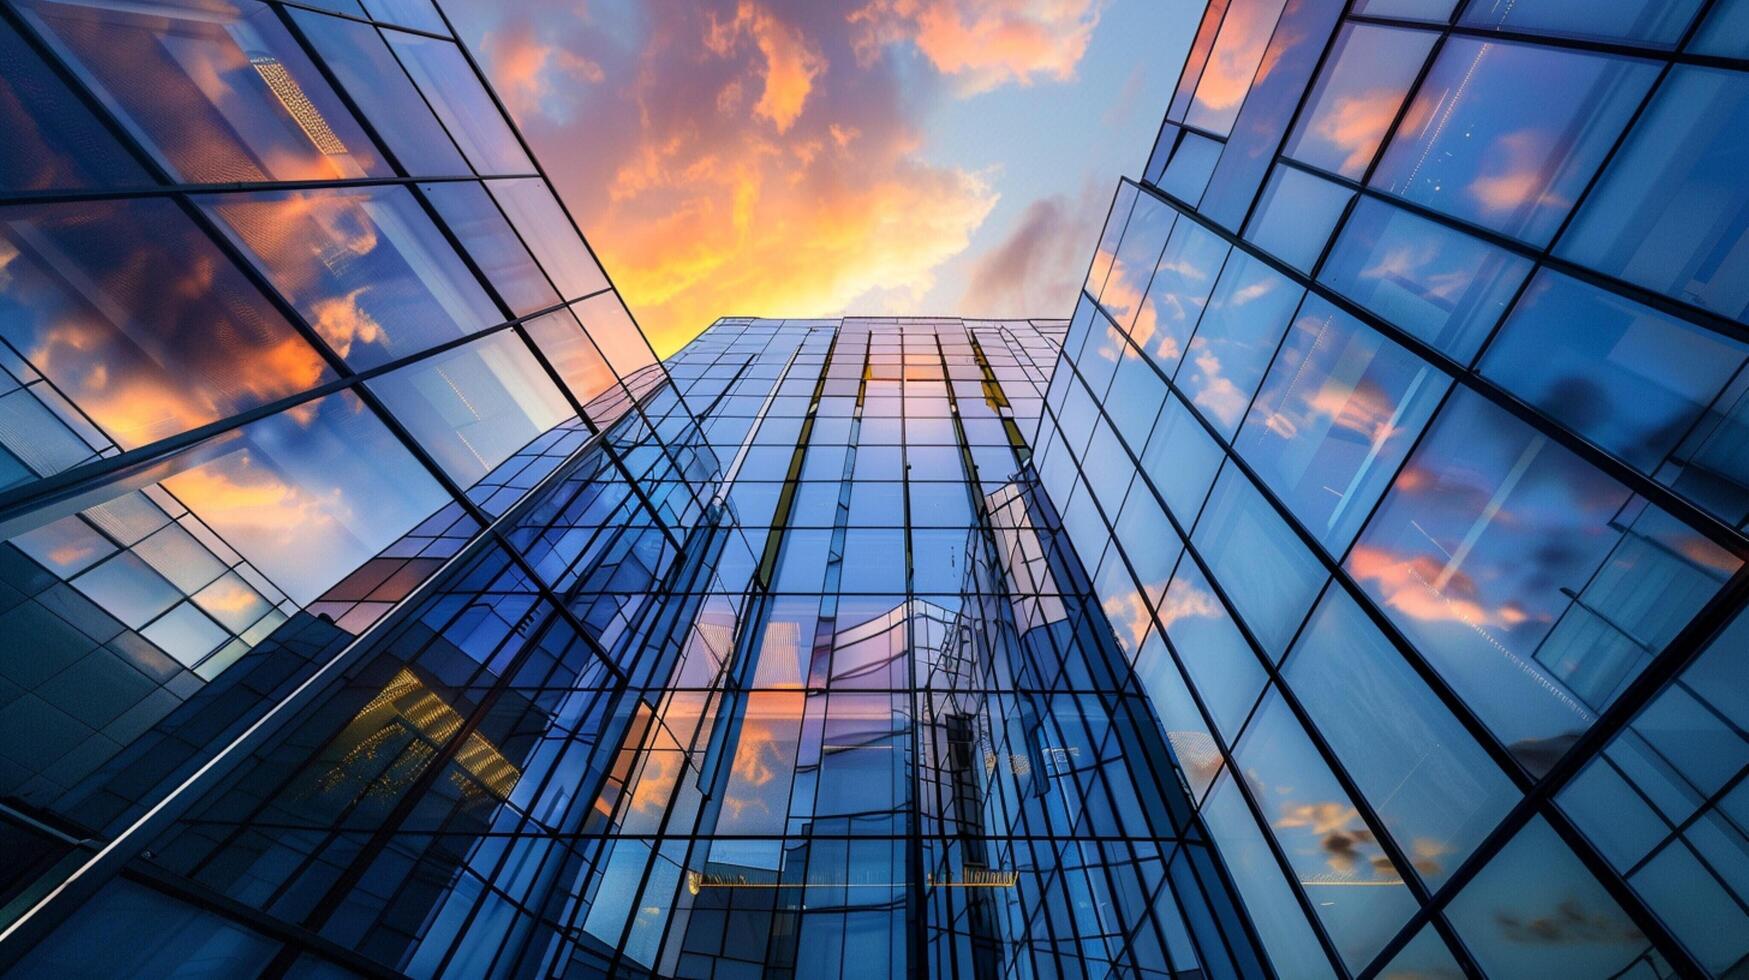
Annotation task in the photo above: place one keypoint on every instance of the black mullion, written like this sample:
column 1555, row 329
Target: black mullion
column 169, row 188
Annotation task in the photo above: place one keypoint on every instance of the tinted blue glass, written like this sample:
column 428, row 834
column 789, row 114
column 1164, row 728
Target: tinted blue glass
column 1670, row 212
column 1525, row 577
column 1222, row 667
column 469, row 212
column 474, row 406
column 375, row 81
column 1136, row 397
column 1181, row 284
column 1434, row 10
column 54, row 141
column 1357, row 97
column 1236, row 339
column 461, row 102
column 1263, row 567
column 1625, row 376
column 1356, row 891
column 1181, row 460
column 1536, row 887
column 1188, row 174
column 1439, row 284
column 874, row 561
column 1295, row 216
column 1193, row 746
column 1656, row 22
column 1149, row 540
column 1262, row 882
column 1132, row 267
column 1334, row 419
column 1507, row 135
column 366, row 267
column 1435, row 789
column 1726, row 31
column 1232, row 63
column 1115, row 221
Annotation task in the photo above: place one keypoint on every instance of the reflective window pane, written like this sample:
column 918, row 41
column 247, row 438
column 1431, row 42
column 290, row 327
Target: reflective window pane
column 567, row 347
column 1238, row 50
column 53, row 140
column 1726, row 31
column 1365, row 80
column 307, row 495
column 1236, row 339
column 1188, row 173
column 489, row 240
column 1335, row 418
column 1357, row 892
column 1133, row 265
column 548, row 232
column 215, row 91
column 1668, row 214
column 367, row 268
column 1441, row 285
column 474, row 406
column 377, row 84
column 1434, row 788
column 1296, row 215
column 1656, row 22
column 1262, row 883
column 1261, row 564
column 1536, row 586
column 1533, row 891
column 1506, row 136
column 460, row 101
column 139, row 319
column 1430, row 10
column 1625, row 376
column 1181, row 284
column 1220, row 664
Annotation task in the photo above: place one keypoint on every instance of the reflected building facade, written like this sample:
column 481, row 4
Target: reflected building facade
column 1350, row 587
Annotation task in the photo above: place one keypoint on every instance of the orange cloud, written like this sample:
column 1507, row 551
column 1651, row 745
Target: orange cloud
column 1515, row 174
column 1355, row 124
column 1238, row 51
column 983, row 43
column 531, row 75
column 791, row 62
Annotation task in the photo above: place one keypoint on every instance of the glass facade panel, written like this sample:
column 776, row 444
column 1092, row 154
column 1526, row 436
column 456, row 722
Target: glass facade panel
column 1366, row 78
column 366, row 268
column 1334, row 419
column 1357, row 596
column 1669, row 213
column 1506, row 136
column 216, row 92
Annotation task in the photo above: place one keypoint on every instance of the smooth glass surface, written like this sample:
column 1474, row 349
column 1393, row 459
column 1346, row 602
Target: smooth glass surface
column 1176, row 295
column 54, row 140
column 1334, row 419
column 1525, row 577
column 1260, row 563
column 1444, row 287
column 472, row 407
column 1187, row 175
column 1535, row 910
column 138, row 318
column 549, row 234
column 462, row 103
column 1269, row 899
column 1357, row 892
column 217, row 92
column 1671, row 212
column 308, row 495
column 359, row 57
column 1232, row 63
column 1506, row 136
column 613, row 331
column 1625, row 376
column 1658, row 23
column 1296, row 215
column 1434, row 788
column 1429, row 10
column 1365, row 80
column 367, row 268
column 493, row 245
column 1233, row 345
column 561, row 339
column 1133, row 264
column 1220, row 664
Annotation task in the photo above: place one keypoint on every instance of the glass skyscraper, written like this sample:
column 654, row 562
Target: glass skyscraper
column 1353, row 586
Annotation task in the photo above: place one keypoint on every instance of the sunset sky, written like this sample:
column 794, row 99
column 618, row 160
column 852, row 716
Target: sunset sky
column 809, row 158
